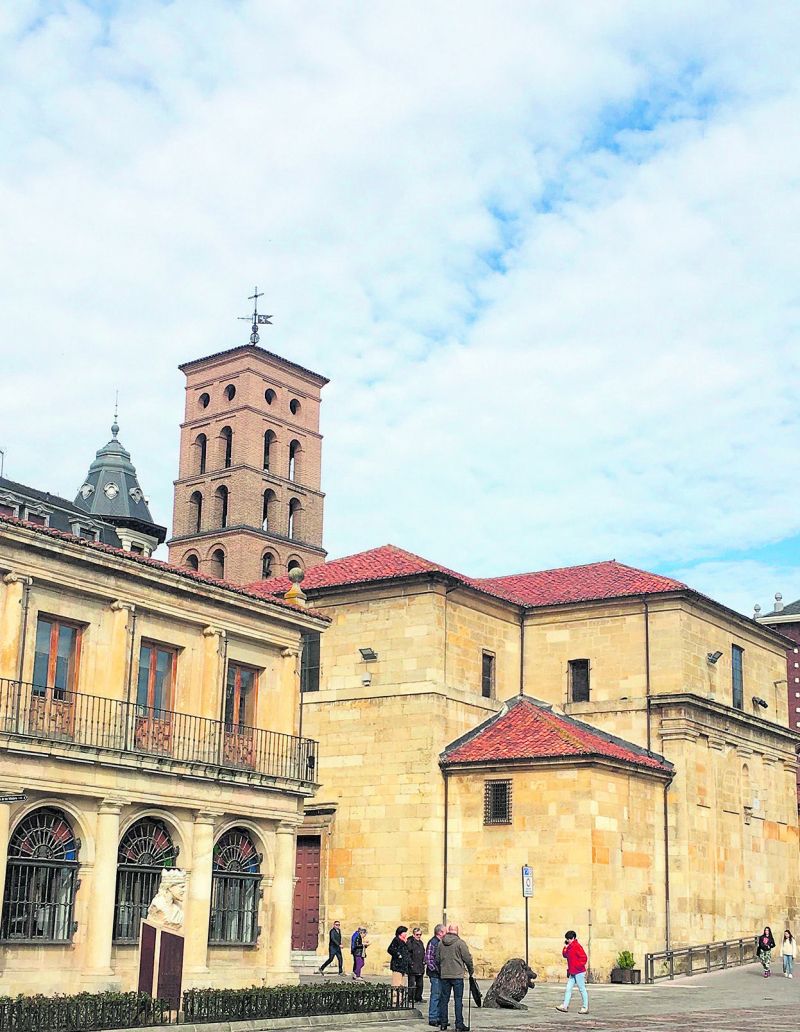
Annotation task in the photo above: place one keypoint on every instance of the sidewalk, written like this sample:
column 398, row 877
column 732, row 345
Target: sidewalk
column 736, row 1000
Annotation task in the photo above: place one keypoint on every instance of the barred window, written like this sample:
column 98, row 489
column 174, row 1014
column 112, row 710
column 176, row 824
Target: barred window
column 41, row 879
column 145, row 850
column 235, row 889
column 497, row 802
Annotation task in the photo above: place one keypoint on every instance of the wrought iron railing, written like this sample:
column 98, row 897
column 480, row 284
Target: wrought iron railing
column 694, row 960
column 56, row 715
column 82, row 1012
column 291, row 1001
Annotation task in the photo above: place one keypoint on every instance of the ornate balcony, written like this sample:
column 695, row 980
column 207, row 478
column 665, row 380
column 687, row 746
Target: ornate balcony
column 151, row 737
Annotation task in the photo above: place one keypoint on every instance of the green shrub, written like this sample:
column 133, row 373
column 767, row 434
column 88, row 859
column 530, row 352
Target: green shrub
column 625, row 960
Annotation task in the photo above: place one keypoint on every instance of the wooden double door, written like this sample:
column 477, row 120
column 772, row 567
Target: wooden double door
column 305, row 913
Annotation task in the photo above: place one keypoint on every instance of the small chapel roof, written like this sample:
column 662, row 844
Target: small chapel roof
column 528, row 729
column 607, row 579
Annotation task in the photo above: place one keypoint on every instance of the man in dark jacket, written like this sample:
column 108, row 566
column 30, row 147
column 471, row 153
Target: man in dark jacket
column 432, row 968
column 399, row 952
column 334, row 948
column 416, row 974
column 455, row 963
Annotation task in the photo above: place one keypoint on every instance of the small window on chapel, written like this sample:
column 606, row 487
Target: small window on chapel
column 497, row 802
column 579, row 680
column 487, row 675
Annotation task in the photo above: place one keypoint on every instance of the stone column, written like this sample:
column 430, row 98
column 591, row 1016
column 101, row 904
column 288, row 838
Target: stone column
column 11, row 620
column 281, row 903
column 122, row 618
column 100, row 916
column 214, row 641
column 5, row 820
column 198, row 903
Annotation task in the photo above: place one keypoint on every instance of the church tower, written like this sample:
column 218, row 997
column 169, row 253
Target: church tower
column 248, row 503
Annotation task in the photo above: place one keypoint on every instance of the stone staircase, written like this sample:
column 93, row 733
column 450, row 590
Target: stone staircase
column 306, row 962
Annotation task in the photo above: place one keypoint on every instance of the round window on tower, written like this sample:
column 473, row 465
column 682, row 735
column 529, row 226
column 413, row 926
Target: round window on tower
column 204, row 399
column 294, row 406
column 230, row 392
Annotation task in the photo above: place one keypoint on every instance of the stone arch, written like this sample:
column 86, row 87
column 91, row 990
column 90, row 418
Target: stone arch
column 216, row 563
column 260, row 840
column 294, row 562
column 268, row 564
column 174, row 828
column 191, row 561
column 80, row 826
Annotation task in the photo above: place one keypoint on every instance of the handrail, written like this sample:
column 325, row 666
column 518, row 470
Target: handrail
column 57, row 715
column 713, row 956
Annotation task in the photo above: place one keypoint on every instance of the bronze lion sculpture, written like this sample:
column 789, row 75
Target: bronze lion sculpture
column 511, row 986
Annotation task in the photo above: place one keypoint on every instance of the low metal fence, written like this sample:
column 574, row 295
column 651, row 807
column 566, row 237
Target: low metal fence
column 692, row 960
column 213, row 1005
column 86, row 1012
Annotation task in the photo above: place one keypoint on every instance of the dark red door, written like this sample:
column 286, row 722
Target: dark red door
column 305, row 916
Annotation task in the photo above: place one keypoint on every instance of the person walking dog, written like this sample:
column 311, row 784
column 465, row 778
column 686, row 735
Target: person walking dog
column 788, row 953
column 334, row 948
column 575, row 956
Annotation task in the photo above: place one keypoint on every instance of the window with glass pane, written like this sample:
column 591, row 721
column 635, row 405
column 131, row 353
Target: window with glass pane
column 309, row 662
column 235, row 889
column 55, row 657
column 156, row 675
column 240, row 696
column 487, row 675
column 737, row 675
column 579, row 680
column 40, row 879
column 145, row 850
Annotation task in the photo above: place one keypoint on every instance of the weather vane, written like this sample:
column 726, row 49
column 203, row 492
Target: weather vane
column 257, row 320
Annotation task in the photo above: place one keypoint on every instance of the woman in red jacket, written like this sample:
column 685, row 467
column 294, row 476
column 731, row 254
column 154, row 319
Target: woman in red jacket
column 576, row 971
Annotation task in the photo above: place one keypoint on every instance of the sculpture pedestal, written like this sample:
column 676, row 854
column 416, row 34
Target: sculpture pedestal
column 161, row 963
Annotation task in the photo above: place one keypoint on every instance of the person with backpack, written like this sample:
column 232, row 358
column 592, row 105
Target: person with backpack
column 575, row 956
column 766, row 944
column 788, row 953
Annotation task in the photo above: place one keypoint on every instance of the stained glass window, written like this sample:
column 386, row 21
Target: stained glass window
column 235, row 889
column 145, row 850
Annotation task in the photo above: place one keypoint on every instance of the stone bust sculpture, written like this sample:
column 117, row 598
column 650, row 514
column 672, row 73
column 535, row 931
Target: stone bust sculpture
column 166, row 909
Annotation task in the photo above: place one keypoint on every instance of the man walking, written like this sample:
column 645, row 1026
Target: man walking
column 575, row 956
column 416, row 973
column 455, row 963
column 432, row 969
column 334, row 948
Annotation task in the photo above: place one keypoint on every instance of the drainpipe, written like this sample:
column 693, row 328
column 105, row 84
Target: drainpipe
column 522, row 652
column 667, row 929
column 647, row 668
column 444, row 854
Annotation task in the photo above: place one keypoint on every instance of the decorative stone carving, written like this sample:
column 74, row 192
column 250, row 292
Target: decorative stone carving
column 166, row 910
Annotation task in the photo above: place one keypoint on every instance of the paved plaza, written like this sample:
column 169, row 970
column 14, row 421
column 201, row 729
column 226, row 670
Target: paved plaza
column 737, row 1000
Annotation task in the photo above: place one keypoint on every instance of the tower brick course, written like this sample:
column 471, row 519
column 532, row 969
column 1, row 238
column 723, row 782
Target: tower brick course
column 234, row 399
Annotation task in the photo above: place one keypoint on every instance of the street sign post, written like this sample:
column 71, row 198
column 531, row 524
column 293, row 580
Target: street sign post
column 527, row 892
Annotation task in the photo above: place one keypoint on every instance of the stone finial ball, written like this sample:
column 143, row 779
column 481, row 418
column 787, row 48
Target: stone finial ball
column 296, row 575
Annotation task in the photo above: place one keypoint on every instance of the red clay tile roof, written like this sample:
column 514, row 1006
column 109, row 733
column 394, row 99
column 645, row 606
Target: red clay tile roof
column 141, row 560
column 548, row 587
column 527, row 729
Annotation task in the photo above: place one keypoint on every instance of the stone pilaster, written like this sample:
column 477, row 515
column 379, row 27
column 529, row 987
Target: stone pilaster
column 103, row 893
column 279, row 936
column 122, row 620
column 198, row 904
column 5, row 820
column 11, row 623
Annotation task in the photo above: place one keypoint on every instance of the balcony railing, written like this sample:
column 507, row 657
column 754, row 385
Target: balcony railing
column 56, row 715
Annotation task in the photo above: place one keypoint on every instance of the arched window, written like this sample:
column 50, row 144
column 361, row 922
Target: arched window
column 269, row 395
column 204, row 399
column 226, row 435
column 230, row 392
column 747, row 791
column 40, row 879
column 191, row 562
column 294, row 564
column 201, row 444
column 267, row 565
column 269, row 439
column 294, row 517
column 221, row 499
column 217, row 563
column 294, row 406
column 268, row 511
column 145, row 850
column 294, row 460
column 235, row 889
column 196, row 511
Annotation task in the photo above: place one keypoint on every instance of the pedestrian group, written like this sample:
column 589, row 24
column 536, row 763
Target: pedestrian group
column 765, row 946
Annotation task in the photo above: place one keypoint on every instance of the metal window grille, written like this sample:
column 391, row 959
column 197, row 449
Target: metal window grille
column 309, row 663
column 145, row 850
column 497, row 802
column 235, row 890
column 487, row 675
column 579, row 680
column 40, row 881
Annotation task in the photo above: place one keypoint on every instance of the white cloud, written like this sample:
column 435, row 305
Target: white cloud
column 547, row 255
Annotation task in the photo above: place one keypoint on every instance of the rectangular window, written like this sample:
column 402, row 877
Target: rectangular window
column 487, row 675
column 579, row 680
column 309, row 662
column 55, row 660
column 737, row 676
column 156, row 675
column 240, row 696
column 497, row 802
column 7, row 510
column 35, row 518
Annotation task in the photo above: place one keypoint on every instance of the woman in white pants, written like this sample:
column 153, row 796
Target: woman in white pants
column 788, row 953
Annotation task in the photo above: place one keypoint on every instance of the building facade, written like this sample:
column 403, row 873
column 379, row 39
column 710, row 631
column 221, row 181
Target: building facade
column 149, row 718
column 697, row 844
column 786, row 620
column 248, row 501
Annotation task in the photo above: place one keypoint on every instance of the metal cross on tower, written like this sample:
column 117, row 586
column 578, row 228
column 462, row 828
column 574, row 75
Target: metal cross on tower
column 257, row 320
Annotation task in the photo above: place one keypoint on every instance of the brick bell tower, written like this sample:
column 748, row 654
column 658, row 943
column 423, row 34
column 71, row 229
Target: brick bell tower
column 248, row 503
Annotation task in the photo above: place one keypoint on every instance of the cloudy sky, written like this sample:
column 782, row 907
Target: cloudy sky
column 547, row 254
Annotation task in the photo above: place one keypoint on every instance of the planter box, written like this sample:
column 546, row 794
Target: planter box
column 626, row 976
